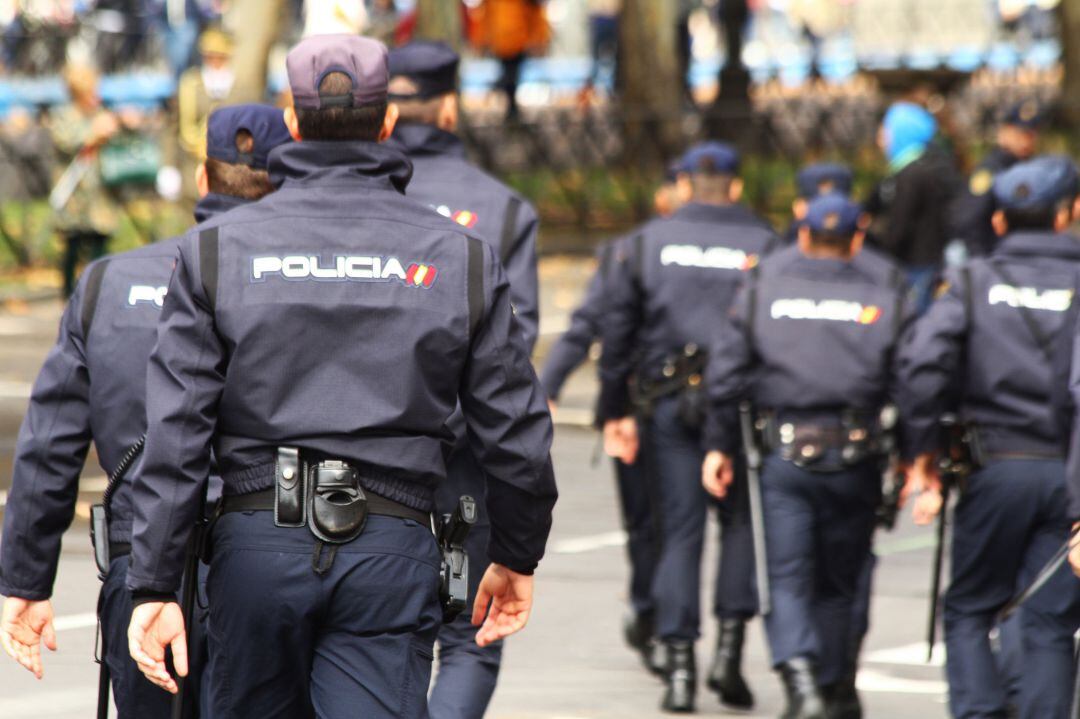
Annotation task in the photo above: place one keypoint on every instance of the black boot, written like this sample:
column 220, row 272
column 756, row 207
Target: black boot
column 725, row 677
column 842, row 700
column 681, row 678
column 804, row 699
column 638, row 630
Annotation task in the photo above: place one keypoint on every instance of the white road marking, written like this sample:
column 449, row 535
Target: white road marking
column 14, row 326
column 74, row 701
column 75, row 621
column 14, row 390
column 574, row 417
column 872, row 681
column 909, row 655
column 590, row 543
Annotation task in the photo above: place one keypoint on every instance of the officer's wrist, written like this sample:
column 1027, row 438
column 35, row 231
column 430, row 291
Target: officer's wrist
column 140, row 597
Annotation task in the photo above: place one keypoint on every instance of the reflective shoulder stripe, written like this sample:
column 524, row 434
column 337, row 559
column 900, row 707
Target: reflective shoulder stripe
column 90, row 299
column 476, row 284
column 208, row 263
column 509, row 229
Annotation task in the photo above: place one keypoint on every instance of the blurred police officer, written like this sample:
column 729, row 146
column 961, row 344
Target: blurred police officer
column 92, row 387
column 423, row 84
column 810, row 343
column 320, row 341
column 992, row 332
column 635, row 485
column 675, row 278
column 1017, row 140
column 821, row 178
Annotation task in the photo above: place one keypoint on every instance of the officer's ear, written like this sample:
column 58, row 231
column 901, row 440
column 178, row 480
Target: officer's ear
column 1076, row 209
column 389, row 122
column 857, row 243
column 999, row 223
column 805, row 243
column 1064, row 218
column 448, row 113
column 202, row 180
column 737, row 187
column 798, row 209
column 684, row 188
column 292, row 123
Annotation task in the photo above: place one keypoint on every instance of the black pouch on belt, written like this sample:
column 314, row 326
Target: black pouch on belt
column 338, row 508
column 289, row 486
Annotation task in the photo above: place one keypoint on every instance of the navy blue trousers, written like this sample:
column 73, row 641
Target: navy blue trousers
column 467, row 674
column 1007, row 525
column 637, row 501
column 135, row 697
column 674, row 455
column 818, row 528
column 354, row 642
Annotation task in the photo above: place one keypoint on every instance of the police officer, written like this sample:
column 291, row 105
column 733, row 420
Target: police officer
column 423, row 84
column 320, row 341
column 817, row 179
column 1017, row 140
column 810, row 344
column 992, row 332
column 92, row 387
column 636, row 488
column 676, row 276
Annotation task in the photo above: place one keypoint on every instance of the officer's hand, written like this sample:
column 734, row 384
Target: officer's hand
column 927, row 507
column 717, row 474
column 621, row 439
column 155, row 626
column 24, row 625
column 510, row 596
column 552, row 407
column 923, row 478
column 1074, row 549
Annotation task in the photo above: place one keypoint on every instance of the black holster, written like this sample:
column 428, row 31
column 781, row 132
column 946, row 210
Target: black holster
column 454, row 574
column 325, row 496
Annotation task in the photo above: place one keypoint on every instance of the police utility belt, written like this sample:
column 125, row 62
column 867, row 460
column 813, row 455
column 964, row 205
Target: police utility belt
column 680, row 375
column 825, row 444
column 326, row 496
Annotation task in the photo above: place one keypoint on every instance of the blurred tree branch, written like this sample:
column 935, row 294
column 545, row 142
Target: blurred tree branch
column 650, row 88
column 1069, row 15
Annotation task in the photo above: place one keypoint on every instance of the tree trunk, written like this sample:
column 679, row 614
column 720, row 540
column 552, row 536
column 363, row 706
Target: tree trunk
column 730, row 116
column 650, row 86
column 1069, row 16
column 439, row 20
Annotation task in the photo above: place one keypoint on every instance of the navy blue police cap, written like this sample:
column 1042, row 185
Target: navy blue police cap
column 431, row 66
column 834, row 213
column 1038, row 183
column 717, row 158
column 265, row 123
column 823, row 178
column 1027, row 114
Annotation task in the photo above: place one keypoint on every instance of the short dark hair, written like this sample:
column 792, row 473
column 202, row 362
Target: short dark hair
column 236, row 180
column 1035, row 218
column 837, row 241
column 341, row 124
column 711, row 186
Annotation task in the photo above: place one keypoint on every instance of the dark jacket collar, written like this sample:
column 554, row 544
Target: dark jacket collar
column 417, row 140
column 1040, row 244
column 339, row 163
column 214, row 204
column 727, row 214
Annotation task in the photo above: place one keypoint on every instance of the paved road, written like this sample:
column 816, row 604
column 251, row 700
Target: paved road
column 570, row 663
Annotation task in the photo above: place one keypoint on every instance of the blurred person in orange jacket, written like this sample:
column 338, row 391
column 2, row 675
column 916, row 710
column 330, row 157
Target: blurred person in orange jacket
column 510, row 30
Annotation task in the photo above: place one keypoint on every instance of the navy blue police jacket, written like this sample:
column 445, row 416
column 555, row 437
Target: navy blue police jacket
column 673, row 279
column 92, row 387
column 809, row 337
column 586, row 323
column 974, row 207
column 343, row 328
column 987, row 342
column 444, row 180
